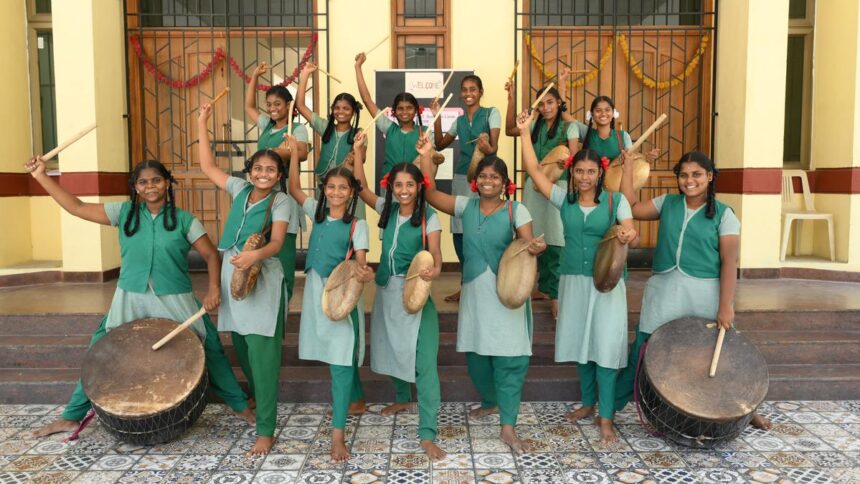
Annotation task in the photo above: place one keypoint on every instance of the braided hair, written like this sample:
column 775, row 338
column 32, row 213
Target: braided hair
column 540, row 121
column 408, row 98
column 702, row 160
column 322, row 201
column 283, row 168
column 598, row 100
column 283, row 93
column 420, row 206
column 585, row 154
column 132, row 223
column 500, row 167
column 356, row 112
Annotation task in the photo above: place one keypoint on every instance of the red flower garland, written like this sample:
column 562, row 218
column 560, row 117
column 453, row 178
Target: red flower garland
column 217, row 58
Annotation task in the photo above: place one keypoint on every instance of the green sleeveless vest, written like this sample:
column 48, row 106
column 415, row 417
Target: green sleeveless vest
column 399, row 146
column 698, row 239
column 605, row 147
column 582, row 235
column 240, row 225
column 485, row 238
column 480, row 124
column 328, row 246
column 545, row 144
column 333, row 153
column 408, row 242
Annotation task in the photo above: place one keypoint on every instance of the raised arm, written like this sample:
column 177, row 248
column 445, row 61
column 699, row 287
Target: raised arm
column 307, row 70
column 644, row 210
column 728, row 279
column 251, row 108
column 510, row 112
column 363, row 91
column 442, row 140
column 530, row 162
column 93, row 212
column 294, row 184
column 442, row 201
column 367, row 194
column 207, row 160
column 563, row 80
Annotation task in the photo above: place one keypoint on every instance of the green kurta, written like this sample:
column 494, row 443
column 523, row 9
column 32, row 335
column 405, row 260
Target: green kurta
column 399, row 144
column 608, row 147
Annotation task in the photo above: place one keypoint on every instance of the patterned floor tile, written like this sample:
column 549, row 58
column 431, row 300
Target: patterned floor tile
column 276, row 477
column 288, row 462
column 370, row 418
column 846, row 476
column 304, row 420
column 497, row 476
column 320, row 477
column 453, row 476
column 763, row 475
column 30, row 463
column 374, row 432
column 364, row 446
column 454, row 446
column 452, row 431
column 238, row 462
column 788, row 459
column 590, row 476
column 745, row 460
column 53, row 477
column 453, row 461
column 808, row 476
column 411, row 419
column 843, row 443
column 98, row 477
column 578, row 460
column 623, row 460
column 187, row 477
column 719, row 476
column 156, row 462
column 484, row 431
column 409, row 461
column 405, row 446
column 495, row 460
column 662, row 459
column 115, row 462
column 631, row 476
column 321, row 462
column 291, row 446
column 72, row 462
column 368, row 462
column 232, row 477
column 364, row 476
column 406, row 476
column 534, row 460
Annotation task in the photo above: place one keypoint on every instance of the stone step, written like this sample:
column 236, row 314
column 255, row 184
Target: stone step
column 778, row 347
column 544, row 383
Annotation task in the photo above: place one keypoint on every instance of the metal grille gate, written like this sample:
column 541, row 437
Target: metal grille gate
column 181, row 54
column 649, row 56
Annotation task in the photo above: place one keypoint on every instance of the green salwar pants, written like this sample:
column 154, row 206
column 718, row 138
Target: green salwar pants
column 346, row 382
column 458, row 248
column 605, row 378
column 260, row 359
column 499, row 380
column 626, row 377
column 221, row 378
column 548, row 271
column 287, row 256
column 426, row 374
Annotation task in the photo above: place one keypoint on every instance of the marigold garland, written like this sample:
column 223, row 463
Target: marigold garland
column 621, row 39
column 217, row 58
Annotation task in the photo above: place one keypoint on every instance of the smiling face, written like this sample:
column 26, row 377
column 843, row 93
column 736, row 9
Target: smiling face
column 693, row 179
column 603, row 113
column 277, row 107
column 405, row 189
column 490, row 182
column 405, row 112
column 151, row 186
column 470, row 92
column 338, row 191
column 549, row 107
column 343, row 111
column 264, row 173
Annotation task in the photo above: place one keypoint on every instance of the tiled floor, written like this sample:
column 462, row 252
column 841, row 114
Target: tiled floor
column 811, row 442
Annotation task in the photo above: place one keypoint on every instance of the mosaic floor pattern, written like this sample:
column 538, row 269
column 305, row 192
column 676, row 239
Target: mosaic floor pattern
column 811, row 442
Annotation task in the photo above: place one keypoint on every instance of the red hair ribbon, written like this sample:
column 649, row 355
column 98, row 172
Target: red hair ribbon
column 604, row 163
column 384, row 182
column 426, row 181
column 420, row 110
column 568, row 162
column 512, row 187
column 474, row 186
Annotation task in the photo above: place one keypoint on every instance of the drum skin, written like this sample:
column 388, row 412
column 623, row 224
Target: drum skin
column 416, row 291
column 552, row 165
column 342, row 291
column 143, row 396
column 477, row 156
column 609, row 261
column 679, row 399
column 244, row 280
column 517, row 274
column 641, row 171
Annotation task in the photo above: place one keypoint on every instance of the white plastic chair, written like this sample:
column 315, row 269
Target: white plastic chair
column 792, row 211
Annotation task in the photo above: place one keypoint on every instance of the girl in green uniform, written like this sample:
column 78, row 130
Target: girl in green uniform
column 469, row 128
column 152, row 283
column 547, row 132
column 601, row 135
column 496, row 340
column 405, row 346
column 592, row 326
column 400, row 137
column 256, row 323
column 273, row 125
column 695, row 261
column 337, row 235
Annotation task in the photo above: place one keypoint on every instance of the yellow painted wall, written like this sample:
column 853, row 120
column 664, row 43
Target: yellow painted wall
column 15, row 135
column 45, row 229
column 730, row 86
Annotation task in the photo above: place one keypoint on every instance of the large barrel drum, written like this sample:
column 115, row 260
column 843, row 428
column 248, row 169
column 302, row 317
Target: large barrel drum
column 143, row 396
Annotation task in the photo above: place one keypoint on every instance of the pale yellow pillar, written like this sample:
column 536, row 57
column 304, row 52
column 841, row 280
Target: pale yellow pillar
column 836, row 120
column 89, row 60
column 750, row 87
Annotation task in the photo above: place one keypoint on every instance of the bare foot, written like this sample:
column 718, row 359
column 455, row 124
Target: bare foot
column 481, row 411
column 509, row 436
column 252, row 404
column 453, row 297
column 432, row 450
column 247, row 415
column 579, row 414
column 261, row 447
column 357, row 407
column 760, row 422
column 553, row 308
column 397, row 408
column 608, row 435
column 55, row 427
column 539, row 296
column 339, row 453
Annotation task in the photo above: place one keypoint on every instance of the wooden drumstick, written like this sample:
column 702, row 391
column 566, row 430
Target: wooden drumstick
column 648, row 132
column 514, row 72
column 442, row 91
column 527, row 246
column 546, row 90
column 717, row 349
column 172, row 334
column 367, row 52
column 329, row 75
column 290, row 117
column 380, row 113
column 65, row 144
column 219, row 96
column 442, row 108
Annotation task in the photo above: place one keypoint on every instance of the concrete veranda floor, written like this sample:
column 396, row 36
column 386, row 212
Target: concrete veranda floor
column 811, row 442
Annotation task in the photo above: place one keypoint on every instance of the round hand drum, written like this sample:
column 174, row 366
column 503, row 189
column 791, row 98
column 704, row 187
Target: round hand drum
column 679, row 399
column 143, row 396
